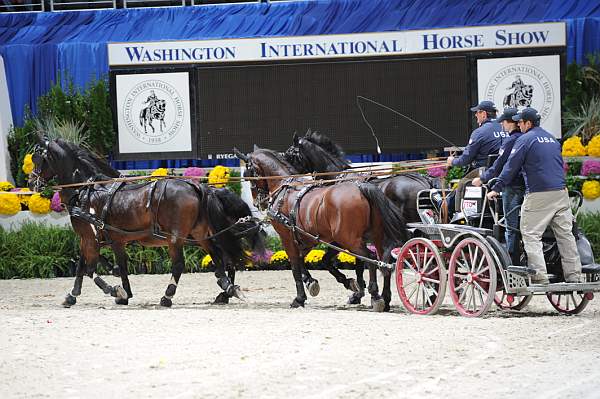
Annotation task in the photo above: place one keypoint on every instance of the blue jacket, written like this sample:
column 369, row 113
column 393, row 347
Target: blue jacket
column 485, row 140
column 538, row 153
column 496, row 168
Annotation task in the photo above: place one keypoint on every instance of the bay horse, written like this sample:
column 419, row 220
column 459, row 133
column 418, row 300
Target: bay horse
column 166, row 212
column 315, row 152
column 346, row 214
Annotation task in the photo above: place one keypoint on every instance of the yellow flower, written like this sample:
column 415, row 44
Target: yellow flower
column 27, row 164
column 39, row 204
column 206, row 262
column 572, row 147
column 6, row 186
column 279, row 256
column 314, row 256
column 346, row 258
column 219, row 176
column 24, row 198
column 9, row 204
column 160, row 172
column 593, row 147
column 591, row 189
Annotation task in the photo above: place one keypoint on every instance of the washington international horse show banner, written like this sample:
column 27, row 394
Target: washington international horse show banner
column 153, row 112
column 499, row 37
column 523, row 82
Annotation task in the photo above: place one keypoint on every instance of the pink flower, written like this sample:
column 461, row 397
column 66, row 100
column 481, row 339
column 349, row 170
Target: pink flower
column 565, row 167
column 262, row 258
column 438, row 171
column 55, row 203
column 590, row 167
column 194, row 171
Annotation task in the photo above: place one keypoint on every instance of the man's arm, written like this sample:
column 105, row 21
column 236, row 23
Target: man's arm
column 470, row 151
column 513, row 165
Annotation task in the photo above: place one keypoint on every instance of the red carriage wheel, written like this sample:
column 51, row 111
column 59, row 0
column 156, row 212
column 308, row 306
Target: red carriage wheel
column 472, row 277
column 569, row 302
column 421, row 276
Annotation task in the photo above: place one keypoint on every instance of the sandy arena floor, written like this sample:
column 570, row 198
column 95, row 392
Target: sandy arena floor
column 261, row 348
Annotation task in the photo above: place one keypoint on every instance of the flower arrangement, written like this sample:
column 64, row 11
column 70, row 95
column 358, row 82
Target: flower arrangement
column 6, row 186
column 27, row 164
column 590, row 167
column 591, row 189
column 39, row 204
column 572, row 147
column 194, row 171
column 593, row 147
column 219, row 176
column 438, row 171
column 159, row 172
column 314, row 257
column 345, row 258
column 55, row 203
column 279, row 259
column 206, row 262
column 9, row 204
column 23, row 198
column 262, row 259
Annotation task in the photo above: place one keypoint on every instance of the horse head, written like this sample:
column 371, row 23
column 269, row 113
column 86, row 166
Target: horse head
column 317, row 153
column 49, row 162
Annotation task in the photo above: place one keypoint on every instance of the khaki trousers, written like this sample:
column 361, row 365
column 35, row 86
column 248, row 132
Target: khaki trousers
column 550, row 208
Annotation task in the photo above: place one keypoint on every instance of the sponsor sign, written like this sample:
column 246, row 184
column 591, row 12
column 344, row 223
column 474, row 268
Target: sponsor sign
column 469, row 207
column 153, row 112
column 473, row 192
column 523, row 82
column 500, row 37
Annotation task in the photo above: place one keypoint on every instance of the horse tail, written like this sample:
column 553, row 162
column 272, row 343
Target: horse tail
column 236, row 208
column 394, row 226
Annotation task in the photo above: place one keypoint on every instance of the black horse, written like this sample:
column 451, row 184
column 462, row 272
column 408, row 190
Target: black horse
column 166, row 212
column 315, row 152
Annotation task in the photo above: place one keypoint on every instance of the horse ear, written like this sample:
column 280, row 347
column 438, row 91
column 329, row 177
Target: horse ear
column 295, row 139
column 240, row 155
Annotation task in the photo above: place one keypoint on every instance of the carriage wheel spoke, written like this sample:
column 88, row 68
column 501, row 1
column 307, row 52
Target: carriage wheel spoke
column 413, row 292
column 433, row 289
column 574, row 301
column 410, row 266
column 474, row 260
column 430, row 280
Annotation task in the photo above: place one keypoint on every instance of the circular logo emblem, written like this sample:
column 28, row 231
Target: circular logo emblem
column 520, row 86
column 153, row 112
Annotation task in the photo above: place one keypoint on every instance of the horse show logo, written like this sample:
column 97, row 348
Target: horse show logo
column 520, row 86
column 153, row 112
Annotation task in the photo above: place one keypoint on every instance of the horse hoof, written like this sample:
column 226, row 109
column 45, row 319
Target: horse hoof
column 116, row 271
column 355, row 299
column 237, row 292
column 353, row 285
column 378, row 305
column 69, row 301
column 120, row 293
column 166, row 302
column 314, row 288
column 121, row 301
column 386, row 308
column 221, row 299
column 296, row 304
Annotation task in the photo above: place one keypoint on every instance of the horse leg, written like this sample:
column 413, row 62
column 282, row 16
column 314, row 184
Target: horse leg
column 226, row 282
column 349, row 283
column 312, row 284
column 356, row 297
column 71, row 298
column 387, row 283
column 377, row 302
column 122, row 260
column 177, row 261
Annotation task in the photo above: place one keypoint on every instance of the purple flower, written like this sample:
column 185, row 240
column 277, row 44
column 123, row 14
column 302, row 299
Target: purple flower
column 438, row 171
column 194, row 171
column 55, row 203
column 590, row 167
column 262, row 258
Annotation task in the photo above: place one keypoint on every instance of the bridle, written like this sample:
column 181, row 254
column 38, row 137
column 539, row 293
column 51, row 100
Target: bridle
column 263, row 196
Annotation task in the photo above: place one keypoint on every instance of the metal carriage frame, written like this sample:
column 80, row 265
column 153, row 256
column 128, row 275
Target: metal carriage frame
column 476, row 268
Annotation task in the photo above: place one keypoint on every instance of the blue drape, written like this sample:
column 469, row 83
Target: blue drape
column 37, row 46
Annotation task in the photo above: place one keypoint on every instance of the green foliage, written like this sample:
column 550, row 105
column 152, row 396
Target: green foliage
column 582, row 84
column 574, row 183
column 589, row 222
column 37, row 251
column 273, row 243
column 235, row 186
column 455, row 173
column 574, row 168
column 584, row 120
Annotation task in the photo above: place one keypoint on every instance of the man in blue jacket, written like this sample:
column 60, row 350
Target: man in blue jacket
column 513, row 193
column 484, row 141
column 547, row 202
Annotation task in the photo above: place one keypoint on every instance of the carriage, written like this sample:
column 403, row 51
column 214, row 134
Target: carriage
column 467, row 257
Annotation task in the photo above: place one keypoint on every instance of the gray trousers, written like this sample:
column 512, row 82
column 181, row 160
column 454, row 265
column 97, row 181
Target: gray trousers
column 550, row 208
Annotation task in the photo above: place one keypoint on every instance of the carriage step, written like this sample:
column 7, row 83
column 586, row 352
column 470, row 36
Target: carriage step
column 521, row 270
column 592, row 268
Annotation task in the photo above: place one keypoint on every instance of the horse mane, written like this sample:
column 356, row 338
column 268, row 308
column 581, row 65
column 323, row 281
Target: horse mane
column 325, row 143
column 279, row 157
column 92, row 163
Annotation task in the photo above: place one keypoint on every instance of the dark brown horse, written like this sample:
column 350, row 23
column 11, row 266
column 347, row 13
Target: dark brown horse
column 347, row 214
column 315, row 152
column 168, row 212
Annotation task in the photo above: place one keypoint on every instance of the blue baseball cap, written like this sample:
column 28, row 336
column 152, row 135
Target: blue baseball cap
column 507, row 115
column 486, row 105
column 527, row 114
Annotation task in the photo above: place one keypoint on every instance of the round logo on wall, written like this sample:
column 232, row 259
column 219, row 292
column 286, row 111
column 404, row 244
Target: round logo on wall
column 520, row 86
column 153, row 112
